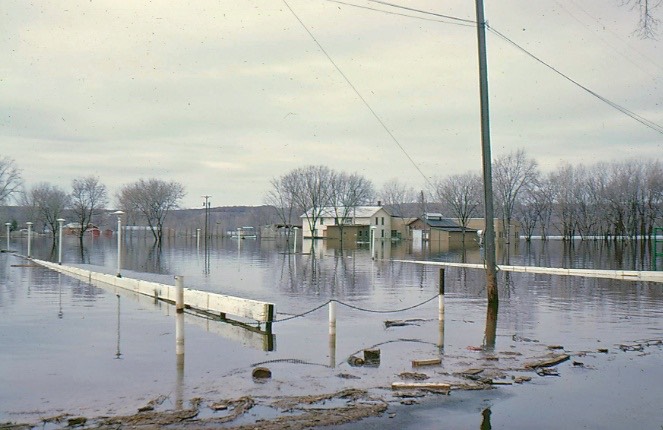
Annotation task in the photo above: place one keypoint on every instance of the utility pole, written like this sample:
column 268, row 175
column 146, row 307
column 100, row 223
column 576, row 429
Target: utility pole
column 489, row 231
column 206, row 205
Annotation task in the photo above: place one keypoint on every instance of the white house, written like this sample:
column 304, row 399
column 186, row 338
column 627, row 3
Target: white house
column 357, row 225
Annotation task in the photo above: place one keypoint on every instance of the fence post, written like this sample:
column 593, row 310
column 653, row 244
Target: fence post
column 179, row 294
column 332, row 317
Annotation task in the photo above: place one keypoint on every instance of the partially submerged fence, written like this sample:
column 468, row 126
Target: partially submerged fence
column 212, row 303
column 624, row 275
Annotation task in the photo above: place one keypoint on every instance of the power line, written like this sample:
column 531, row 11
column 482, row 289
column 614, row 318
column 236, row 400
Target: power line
column 605, row 42
column 452, row 18
column 377, row 117
column 444, row 21
column 635, row 116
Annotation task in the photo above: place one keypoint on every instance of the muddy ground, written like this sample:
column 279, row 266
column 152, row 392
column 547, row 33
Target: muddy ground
column 478, row 369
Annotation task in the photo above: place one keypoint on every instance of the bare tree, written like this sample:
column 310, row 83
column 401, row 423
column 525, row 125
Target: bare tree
column 10, row 179
column 311, row 191
column 648, row 23
column 398, row 197
column 462, row 194
column 152, row 199
column 88, row 198
column 512, row 173
column 49, row 203
column 282, row 198
column 347, row 191
column 563, row 184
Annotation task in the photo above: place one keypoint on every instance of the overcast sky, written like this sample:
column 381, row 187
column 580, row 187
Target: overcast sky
column 224, row 95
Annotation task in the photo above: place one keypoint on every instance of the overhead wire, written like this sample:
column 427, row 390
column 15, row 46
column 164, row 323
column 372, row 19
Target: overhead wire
column 605, row 42
column 368, row 106
column 449, row 17
column 650, row 124
column 644, row 121
column 628, row 45
column 386, row 12
column 459, row 21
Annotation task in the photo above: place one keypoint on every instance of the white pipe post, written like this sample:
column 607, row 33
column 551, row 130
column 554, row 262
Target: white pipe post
column 179, row 294
column 294, row 247
column 60, row 223
column 119, row 242
column 29, row 239
column 8, row 224
column 198, row 239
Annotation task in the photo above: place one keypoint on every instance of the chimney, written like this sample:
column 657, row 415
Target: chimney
column 379, row 202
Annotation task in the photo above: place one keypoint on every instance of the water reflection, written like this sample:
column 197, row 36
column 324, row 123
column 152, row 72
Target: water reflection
column 574, row 311
column 179, row 360
column 485, row 421
column 118, row 354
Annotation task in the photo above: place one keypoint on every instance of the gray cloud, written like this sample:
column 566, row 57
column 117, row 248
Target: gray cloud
column 223, row 96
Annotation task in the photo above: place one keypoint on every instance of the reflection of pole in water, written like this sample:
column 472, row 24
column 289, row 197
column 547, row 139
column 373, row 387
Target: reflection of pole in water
column 60, row 313
column 179, row 354
column 332, row 334
column 485, row 422
column 118, row 354
column 441, row 310
column 8, row 225
column 179, row 339
column 198, row 240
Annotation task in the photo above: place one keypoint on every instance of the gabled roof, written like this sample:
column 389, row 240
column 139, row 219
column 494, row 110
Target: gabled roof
column 357, row 212
column 440, row 223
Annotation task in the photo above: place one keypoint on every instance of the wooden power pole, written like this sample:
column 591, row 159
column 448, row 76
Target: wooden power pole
column 489, row 231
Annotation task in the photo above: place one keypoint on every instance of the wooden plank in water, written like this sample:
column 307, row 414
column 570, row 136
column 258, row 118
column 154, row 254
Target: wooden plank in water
column 420, row 386
column 427, row 362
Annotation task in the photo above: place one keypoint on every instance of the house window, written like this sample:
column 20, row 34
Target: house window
column 322, row 221
column 382, row 220
column 376, row 220
column 382, row 233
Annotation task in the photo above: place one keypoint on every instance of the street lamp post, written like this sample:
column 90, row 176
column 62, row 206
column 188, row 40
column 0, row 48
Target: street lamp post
column 119, row 242
column 8, row 224
column 29, row 224
column 60, row 223
column 206, row 205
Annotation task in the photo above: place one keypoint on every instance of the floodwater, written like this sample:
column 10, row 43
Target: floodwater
column 70, row 347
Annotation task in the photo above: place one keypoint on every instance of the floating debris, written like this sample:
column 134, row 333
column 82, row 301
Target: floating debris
column 547, row 371
column 517, row 338
column 547, row 362
column 521, row 379
column 437, row 386
column 401, row 323
column 261, row 373
column 413, row 375
column 355, row 361
column 427, row 362
column 347, row 376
